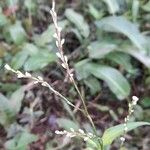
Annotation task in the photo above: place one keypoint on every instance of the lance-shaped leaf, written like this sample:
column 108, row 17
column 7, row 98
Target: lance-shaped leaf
column 122, row 25
column 114, row 79
column 113, row 6
column 78, row 20
column 99, row 49
column 116, row 131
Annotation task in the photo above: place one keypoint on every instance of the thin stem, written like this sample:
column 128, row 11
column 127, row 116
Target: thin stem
column 43, row 83
column 63, row 58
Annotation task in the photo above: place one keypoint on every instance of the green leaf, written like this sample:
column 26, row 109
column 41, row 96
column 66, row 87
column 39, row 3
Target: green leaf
column 81, row 69
column 31, row 5
column 7, row 113
column 146, row 102
column 116, row 131
column 122, row 25
column 146, row 7
column 3, row 20
column 135, row 9
column 113, row 6
column 20, row 141
column 114, row 79
column 47, row 36
column 67, row 124
column 139, row 55
column 122, row 59
column 16, row 99
column 12, row 3
column 15, row 33
column 93, row 84
column 94, row 12
column 20, row 58
column 39, row 61
column 78, row 20
column 100, row 49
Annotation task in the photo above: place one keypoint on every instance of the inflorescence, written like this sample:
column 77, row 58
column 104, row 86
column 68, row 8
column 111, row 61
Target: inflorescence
column 80, row 133
column 126, row 119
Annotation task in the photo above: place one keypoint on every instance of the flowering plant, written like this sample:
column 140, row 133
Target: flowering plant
column 94, row 140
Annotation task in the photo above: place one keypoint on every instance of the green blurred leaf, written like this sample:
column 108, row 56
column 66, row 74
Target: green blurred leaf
column 114, row 79
column 78, row 20
column 20, row 58
column 93, row 84
column 47, row 36
column 146, row 7
column 20, row 141
column 116, row 131
column 113, row 6
column 139, row 55
column 135, row 9
column 7, row 114
column 146, row 102
column 122, row 59
column 15, row 33
column 122, row 25
column 67, row 124
column 81, row 69
column 94, row 12
column 3, row 20
column 100, row 49
column 9, row 87
column 11, row 2
column 16, row 99
column 32, row 58
column 31, row 5
column 39, row 61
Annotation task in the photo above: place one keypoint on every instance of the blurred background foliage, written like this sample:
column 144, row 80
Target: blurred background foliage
column 108, row 45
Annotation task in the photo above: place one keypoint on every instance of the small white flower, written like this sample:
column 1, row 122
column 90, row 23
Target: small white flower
column 134, row 100
column 126, row 129
column 35, row 82
column 69, row 134
column 86, row 138
column 58, row 54
column 63, row 65
column 40, row 78
column 57, row 44
column 71, row 129
column 122, row 139
column 90, row 134
column 62, row 41
column 66, row 59
column 81, row 131
column 44, row 84
column 59, row 29
column 57, row 132
column 7, row 67
column 27, row 74
column 51, row 12
column 71, row 74
column 125, row 119
column 20, row 74
column 55, row 35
